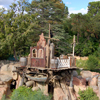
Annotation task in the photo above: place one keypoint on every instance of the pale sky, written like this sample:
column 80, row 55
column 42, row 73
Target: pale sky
column 77, row 6
column 74, row 6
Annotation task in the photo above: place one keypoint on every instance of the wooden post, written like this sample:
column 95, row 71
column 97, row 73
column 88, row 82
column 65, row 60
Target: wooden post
column 73, row 51
column 48, row 51
column 73, row 45
column 71, row 81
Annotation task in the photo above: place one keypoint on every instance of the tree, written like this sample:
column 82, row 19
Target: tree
column 77, row 24
column 96, row 25
column 50, row 12
column 63, row 46
column 47, row 12
column 83, row 27
column 14, row 27
column 93, row 8
column 24, row 22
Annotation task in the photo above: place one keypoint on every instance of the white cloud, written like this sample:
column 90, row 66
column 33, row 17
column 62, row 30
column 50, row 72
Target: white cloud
column 68, row 3
column 93, row 0
column 96, row 0
column 83, row 11
column 1, row 6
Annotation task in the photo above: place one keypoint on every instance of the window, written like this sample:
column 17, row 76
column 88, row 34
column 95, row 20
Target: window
column 40, row 53
column 34, row 53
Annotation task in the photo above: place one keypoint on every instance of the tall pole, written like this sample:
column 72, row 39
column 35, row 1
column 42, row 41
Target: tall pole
column 73, row 45
column 48, row 53
column 48, row 47
column 49, row 31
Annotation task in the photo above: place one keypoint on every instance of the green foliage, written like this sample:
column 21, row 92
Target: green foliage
column 23, row 22
column 86, row 29
column 47, row 12
column 97, row 53
column 81, row 63
column 63, row 46
column 4, row 98
column 92, row 62
column 51, row 12
column 88, row 94
column 24, row 93
column 85, row 48
column 13, row 28
column 93, row 8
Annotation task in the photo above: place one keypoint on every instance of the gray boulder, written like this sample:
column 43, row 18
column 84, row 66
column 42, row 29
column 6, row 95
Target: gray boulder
column 86, row 74
column 29, row 83
column 75, row 74
column 5, row 78
column 4, row 68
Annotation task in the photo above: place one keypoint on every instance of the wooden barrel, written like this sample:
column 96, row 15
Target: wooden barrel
column 23, row 61
column 53, row 63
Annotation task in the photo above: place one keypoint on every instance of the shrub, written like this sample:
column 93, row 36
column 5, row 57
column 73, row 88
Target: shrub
column 23, row 93
column 88, row 94
column 92, row 62
column 4, row 97
column 97, row 53
column 81, row 63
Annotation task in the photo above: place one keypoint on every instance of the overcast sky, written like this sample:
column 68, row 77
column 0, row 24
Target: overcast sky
column 74, row 6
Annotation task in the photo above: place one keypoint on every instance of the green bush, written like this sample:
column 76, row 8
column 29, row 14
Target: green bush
column 88, row 94
column 24, row 93
column 92, row 62
column 97, row 53
column 81, row 63
column 4, row 97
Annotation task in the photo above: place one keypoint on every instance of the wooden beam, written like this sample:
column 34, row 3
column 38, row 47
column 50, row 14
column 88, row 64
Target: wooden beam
column 48, row 47
column 48, row 52
column 49, row 31
column 51, row 38
column 73, row 44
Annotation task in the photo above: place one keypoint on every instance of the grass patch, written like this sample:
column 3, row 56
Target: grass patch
column 88, row 94
column 92, row 63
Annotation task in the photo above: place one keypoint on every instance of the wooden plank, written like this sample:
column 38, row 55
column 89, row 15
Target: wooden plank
column 73, row 45
column 48, row 51
column 51, row 38
column 72, row 68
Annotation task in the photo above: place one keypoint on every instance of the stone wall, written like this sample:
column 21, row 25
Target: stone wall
column 7, row 76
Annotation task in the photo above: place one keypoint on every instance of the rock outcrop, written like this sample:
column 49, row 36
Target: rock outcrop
column 62, row 92
column 87, row 79
column 7, row 75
